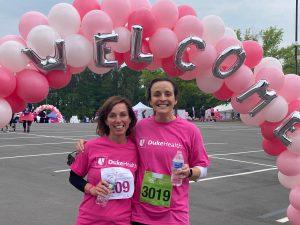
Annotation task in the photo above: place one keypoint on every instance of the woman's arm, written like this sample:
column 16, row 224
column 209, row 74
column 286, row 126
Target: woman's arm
column 77, row 181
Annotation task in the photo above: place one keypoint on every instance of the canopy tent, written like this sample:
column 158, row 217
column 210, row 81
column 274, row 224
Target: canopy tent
column 226, row 111
column 142, row 111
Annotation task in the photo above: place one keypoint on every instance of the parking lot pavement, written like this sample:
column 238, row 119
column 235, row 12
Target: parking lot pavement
column 241, row 186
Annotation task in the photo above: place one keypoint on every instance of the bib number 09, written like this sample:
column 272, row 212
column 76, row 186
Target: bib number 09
column 157, row 194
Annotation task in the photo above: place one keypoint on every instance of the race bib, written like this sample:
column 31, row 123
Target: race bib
column 156, row 189
column 124, row 181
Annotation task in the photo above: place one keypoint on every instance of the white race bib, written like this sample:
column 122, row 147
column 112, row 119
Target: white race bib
column 124, row 186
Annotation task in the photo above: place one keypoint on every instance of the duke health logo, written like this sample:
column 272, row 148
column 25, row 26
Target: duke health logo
column 101, row 161
column 142, row 142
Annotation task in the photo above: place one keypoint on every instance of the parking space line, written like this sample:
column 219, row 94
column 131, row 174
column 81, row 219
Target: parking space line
column 26, row 156
column 235, row 153
column 58, row 137
column 283, row 220
column 235, row 175
column 220, row 143
column 246, row 129
column 59, row 143
column 60, row 171
column 235, row 160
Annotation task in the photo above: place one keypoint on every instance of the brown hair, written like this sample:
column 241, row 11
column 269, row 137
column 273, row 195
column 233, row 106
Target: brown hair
column 102, row 128
column 175, row 88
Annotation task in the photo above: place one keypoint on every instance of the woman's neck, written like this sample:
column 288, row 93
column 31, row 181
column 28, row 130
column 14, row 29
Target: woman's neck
column 164, row 118
column 118, row 139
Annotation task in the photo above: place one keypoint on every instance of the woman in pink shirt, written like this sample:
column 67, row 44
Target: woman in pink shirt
column 156, row 201
column 110, row 158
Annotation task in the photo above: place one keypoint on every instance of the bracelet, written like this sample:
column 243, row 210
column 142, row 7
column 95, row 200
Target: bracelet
column 191, row 173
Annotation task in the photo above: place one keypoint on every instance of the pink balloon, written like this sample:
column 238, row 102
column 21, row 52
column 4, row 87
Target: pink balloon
column 133, row 65
column 17, row 104
column 77, row 70
column 295, row 139
column 223, row 94
column 119, row 57
column 208, row 83
column 288, row 163
column 294, row 106
column 254, row 53
column 123, row 44
column 168, row 65
column 267, row 130
column 17, row 38
column 98, row 70
column 155, row 65
column 7, row 82
column 188, row 26
column 274, row 147
column 32, row 86
column 94, row 22
column 246, row 106
column 293, row 215
column 290, row 88
column 137, row 4
column 29, row 20
column 58, row 79
column 204, row 59
column 185, row 10
column 118, row 10
column 294, row 197
column 241, row 80
column 166, row 13
column 163, row 43
column 83, row 6
column 274, row 76
column 144, row 18
column 190, row 75
column 257, row 120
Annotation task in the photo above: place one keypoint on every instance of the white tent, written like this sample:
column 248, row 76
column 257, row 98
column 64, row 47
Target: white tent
column 225, row 110
column 142, row 111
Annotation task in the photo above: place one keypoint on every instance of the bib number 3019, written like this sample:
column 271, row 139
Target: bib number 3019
column 156, row 189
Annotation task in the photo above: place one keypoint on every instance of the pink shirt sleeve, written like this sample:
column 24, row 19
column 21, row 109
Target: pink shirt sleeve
column 198, row 155
column 81, row 164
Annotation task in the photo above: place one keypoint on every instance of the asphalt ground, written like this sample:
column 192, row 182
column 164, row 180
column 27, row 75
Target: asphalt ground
column 241, row 187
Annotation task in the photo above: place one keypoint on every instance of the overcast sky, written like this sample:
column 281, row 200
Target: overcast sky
column 242, row 14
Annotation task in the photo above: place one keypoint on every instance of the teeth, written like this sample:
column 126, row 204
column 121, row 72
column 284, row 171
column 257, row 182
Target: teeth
column 119, row 127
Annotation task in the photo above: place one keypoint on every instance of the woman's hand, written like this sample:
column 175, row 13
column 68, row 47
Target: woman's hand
column 100, row 189
column 80, row 146
column 184, row 172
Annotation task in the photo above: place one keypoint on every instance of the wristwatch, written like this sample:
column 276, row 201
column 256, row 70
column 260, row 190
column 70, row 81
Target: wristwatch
column 191, row 173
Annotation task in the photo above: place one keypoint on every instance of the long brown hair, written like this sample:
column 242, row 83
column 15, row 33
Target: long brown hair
column 105, row 109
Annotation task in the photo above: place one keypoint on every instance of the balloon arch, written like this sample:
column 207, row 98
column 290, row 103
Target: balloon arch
column 52, row 109
column 84, row 34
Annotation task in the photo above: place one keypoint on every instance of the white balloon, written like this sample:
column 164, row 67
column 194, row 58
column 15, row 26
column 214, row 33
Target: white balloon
column 42, row 39
column 208, row 83
column 11, row 56
column 213, row 28
column 276, row 110
column 79, row 50
column 257, row 120
column 5, row 113
column 65, row 19
column 230, row 33
column 289, row 181
column 268, row 62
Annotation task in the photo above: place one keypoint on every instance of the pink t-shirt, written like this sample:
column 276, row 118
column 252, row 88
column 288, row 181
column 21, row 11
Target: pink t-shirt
column 103, row 157
column 157, row 145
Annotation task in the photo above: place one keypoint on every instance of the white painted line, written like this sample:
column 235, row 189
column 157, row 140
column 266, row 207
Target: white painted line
column 235, row 153
column 234, row 175
column 246, row 129
column 234, row 160
column 59, row 171
column 41, row 136
column 216, row 144
column 283, row 220
column 26, row 156
column 59, row 143
column 58, row 137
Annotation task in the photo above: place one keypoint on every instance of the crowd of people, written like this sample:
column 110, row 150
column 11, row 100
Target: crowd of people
column 140, row 158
